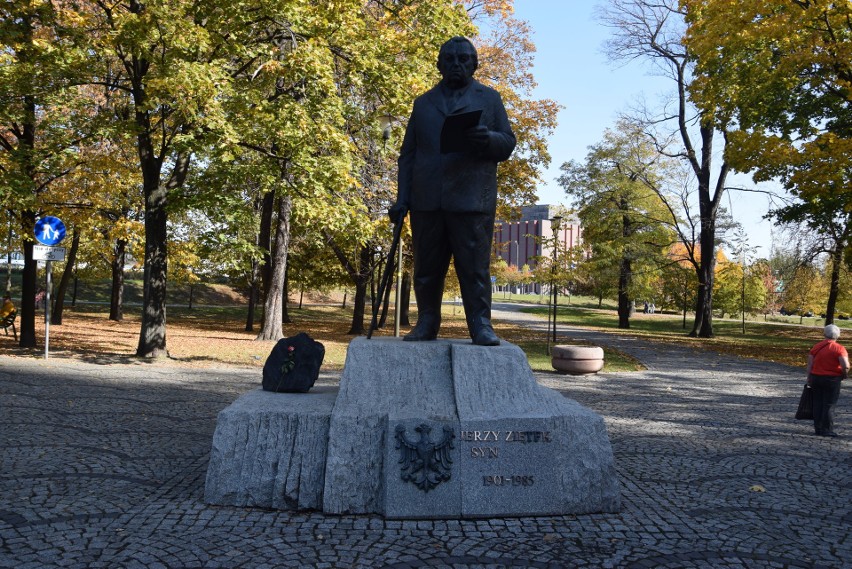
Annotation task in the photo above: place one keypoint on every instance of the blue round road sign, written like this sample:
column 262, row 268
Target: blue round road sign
column 49, row 230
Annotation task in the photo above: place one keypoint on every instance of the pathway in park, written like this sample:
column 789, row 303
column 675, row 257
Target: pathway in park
column 654, row 355
column 104, row 466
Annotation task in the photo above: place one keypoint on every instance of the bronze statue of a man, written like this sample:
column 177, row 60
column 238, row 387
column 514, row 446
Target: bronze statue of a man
column 449, row 184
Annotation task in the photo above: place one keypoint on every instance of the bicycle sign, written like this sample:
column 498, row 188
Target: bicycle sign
column 45, row 253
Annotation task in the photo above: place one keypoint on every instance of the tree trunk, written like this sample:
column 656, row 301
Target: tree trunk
column 361, row 281
column 385, row 306
column 116, row 299
column 285, row 298
column 708, row 210
column 624, row 278
column 28, row 284
column 703, row 325
column 264, row 241
column 374, row 302
column 360, row 276
column 272, row 328
column 253, row 294
column 59, row 304
column 834, row 288
column 252, row 303
column 26, row 153
column 152, row 336
column 625, row 272
column 359, row 303
column 28, row 218
column 8, row 288
column 254, row 273
column 405, row 299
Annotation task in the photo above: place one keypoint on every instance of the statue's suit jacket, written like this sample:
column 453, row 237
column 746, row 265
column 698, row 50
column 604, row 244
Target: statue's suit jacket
column 460, row 181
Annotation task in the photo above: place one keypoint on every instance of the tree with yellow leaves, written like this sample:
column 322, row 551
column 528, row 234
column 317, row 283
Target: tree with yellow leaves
column 43, row 118
column 805, row 292
column 779, row 78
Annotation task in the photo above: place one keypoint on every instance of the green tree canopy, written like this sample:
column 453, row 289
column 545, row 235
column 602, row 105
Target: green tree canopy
column 625, row 223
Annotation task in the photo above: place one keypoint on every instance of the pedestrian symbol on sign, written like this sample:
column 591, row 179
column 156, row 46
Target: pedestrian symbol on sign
column 49, row 230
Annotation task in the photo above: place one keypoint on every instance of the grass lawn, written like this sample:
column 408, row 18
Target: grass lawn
column 780, row 342
column 213, row 331
column 215, row 335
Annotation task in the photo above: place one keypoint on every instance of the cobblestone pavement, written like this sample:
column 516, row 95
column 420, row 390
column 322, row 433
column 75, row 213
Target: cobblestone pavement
column 103, row 465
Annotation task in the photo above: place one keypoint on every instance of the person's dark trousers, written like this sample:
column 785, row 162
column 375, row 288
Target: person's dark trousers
column 826, row 392
column 467, row 238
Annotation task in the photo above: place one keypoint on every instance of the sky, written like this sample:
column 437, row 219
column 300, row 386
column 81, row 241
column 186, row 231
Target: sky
column 571, row 68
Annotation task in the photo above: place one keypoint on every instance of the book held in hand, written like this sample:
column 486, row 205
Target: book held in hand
column 452, row 133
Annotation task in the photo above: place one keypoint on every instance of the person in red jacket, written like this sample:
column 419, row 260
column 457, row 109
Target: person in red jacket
column 828, row 365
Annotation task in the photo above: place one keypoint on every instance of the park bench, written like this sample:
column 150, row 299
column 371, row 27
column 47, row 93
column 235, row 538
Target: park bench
column 9, row 321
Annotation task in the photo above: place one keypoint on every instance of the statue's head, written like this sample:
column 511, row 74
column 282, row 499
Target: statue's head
column 457, row 61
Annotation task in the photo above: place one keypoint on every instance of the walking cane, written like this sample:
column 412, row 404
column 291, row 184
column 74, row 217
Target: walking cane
column 384, row 283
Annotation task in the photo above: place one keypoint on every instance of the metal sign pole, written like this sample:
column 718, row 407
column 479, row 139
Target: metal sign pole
column 49, row 269
column 49, row 231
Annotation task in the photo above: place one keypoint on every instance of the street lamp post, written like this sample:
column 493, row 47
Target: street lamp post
column 386, row 123
column 745, row 253
column 554, row 225
column 514, row 245
column 556, row 222
column 742, row 295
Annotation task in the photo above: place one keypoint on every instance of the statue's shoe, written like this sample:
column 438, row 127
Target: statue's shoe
column 485, row 336
column 421, row 334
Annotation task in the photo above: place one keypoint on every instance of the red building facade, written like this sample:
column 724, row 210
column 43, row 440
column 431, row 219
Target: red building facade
column 519, row 242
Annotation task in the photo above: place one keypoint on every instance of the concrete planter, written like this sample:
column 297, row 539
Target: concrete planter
column 577, row 360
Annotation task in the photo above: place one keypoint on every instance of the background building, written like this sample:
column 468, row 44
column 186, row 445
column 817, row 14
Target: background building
column 519, row 242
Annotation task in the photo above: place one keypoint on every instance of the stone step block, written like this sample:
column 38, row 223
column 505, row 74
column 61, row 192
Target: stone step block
column 269, row 450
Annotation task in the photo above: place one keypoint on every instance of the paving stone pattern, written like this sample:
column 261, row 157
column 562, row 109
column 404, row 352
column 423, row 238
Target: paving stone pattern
column 104, row 466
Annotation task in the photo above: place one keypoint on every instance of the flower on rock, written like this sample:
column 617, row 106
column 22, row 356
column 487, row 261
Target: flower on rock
column 290, row 362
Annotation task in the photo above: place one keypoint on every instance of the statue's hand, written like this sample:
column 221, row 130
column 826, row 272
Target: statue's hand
column 478, row 137
column 397, row 212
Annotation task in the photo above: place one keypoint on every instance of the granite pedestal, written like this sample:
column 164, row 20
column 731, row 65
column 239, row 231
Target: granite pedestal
column 441, row 429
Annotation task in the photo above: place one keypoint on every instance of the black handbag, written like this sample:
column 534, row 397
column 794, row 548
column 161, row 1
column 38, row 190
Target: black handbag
column 806, row 404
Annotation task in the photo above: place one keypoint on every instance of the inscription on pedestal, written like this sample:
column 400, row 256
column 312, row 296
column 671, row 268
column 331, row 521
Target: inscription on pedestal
column 494, row 444
column 510, row 469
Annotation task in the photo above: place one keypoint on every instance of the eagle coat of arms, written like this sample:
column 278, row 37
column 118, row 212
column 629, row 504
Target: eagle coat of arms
column 425, row 463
